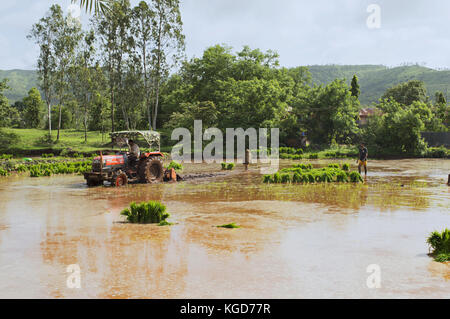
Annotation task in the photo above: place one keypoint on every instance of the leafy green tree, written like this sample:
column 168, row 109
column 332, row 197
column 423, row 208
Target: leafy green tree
column 43, row 33
column 329, row 113
column 99, row 113
column 112, row 30
column 143, row 17
column 34, row 108
column 66, row 38
column 83, row 76
column 356, row 92
column 168, row 44
column 4, row 105
column 397, row 131
column 407, row 93
column 440, row 98
column 431, row 122
column 189, row 112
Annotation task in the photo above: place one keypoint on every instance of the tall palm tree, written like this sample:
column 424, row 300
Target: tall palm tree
column 98, row 5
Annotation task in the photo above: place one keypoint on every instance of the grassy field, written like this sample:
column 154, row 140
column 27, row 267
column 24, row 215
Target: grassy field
column 30, row 140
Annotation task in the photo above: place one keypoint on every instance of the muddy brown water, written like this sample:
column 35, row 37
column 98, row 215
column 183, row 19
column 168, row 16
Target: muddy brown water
column 299, row 241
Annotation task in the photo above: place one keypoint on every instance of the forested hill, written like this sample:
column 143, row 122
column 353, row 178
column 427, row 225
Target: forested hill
column 373, row 79
column 20, row 82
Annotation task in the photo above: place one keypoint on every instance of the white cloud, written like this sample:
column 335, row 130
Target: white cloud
column 303, row 32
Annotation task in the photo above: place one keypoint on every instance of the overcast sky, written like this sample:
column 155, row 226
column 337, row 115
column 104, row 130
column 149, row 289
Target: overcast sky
column 303, row 32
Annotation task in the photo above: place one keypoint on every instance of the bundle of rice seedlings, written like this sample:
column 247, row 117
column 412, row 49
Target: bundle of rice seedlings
column 146, row 213
column 285, row 178
column 341, row 177
column 176, row 166
column 268, row 179
column 277, row 178
column 297, row 178
column 346, row 167
column 355, row 177
column 439, row 242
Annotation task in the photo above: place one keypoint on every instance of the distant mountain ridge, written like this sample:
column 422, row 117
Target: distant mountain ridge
column 374, row 80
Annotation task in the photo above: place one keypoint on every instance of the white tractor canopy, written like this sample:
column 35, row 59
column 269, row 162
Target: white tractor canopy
column 152, row 138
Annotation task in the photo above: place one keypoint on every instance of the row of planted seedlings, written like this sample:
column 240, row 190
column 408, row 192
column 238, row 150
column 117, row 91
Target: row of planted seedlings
column 48, row 169
column 306, row 174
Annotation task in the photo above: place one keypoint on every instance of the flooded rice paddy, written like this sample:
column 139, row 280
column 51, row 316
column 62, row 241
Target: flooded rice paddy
column 295, row 241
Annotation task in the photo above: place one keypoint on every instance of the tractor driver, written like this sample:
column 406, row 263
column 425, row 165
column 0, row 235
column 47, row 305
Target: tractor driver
column 134, row 151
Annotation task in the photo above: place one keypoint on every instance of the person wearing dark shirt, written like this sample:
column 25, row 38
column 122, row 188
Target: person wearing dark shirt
column 363, row 155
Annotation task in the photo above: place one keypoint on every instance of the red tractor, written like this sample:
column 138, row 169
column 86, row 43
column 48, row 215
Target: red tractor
column 121, row 168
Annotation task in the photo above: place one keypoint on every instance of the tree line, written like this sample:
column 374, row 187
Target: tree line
column 119, row 74
column 114, row 69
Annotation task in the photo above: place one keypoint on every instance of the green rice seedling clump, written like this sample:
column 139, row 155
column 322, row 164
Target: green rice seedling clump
column 302, row 173
column 228, row 166
column 229, row 226
column 176, row 166
column 439, row 242
column 146, row 213
column 165, row 223
column 346, row 167
column 313, row 156
column 3, row 172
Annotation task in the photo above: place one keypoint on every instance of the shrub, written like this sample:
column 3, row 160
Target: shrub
column 6, row 156
column 3, row 172
column 176, row 166
column 437, row 152
column 146, row 213
column 439, row 242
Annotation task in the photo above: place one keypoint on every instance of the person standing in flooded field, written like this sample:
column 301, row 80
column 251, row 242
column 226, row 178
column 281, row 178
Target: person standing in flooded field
column 363, row 155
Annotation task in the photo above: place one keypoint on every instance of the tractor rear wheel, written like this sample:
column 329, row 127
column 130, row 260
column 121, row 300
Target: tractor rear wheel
column 151, row 171
column 119, row 179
